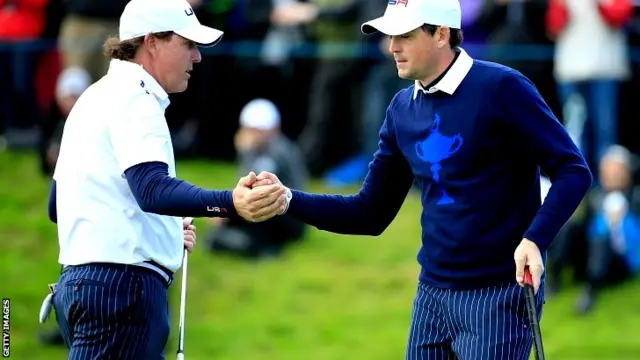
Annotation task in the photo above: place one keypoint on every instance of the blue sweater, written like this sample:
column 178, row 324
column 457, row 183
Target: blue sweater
column 476, row 155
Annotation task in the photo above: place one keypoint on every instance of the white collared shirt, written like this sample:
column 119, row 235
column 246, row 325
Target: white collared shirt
column 117, row 123
column 451, row 79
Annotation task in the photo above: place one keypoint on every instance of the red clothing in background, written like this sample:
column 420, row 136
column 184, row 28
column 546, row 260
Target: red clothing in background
column 22, row 19
column 617, row 13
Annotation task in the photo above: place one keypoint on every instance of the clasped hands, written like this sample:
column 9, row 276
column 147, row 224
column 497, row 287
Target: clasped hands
column 259, row 197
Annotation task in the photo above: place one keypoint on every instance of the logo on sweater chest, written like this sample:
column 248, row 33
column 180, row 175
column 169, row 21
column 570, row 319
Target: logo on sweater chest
column 435, row 149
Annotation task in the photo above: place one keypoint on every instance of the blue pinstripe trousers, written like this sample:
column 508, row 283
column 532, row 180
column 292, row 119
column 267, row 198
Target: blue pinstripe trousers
column 112, row 311
column 489, row 323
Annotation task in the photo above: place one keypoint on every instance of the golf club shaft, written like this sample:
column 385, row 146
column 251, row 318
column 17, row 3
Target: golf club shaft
column 533, row 315
column 183, row 306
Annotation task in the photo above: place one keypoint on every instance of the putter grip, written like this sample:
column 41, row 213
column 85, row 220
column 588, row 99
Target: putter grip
column 528, row 279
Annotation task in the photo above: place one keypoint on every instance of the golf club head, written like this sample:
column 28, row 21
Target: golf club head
column 180, row 356
column 45, row 309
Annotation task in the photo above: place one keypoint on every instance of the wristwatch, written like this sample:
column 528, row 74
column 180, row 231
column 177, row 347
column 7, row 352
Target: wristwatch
column 288, row 196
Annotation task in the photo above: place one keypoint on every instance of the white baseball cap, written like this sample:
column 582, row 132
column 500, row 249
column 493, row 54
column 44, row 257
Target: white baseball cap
column 73, row 81
column 260, row 114
column 141, row 17
column 403, row 16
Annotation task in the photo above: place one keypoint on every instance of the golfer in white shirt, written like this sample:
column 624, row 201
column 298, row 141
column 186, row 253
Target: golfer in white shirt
column 123, row 217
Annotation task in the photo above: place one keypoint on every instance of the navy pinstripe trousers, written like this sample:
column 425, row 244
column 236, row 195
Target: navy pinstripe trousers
column 489, row 323
column 112, row 311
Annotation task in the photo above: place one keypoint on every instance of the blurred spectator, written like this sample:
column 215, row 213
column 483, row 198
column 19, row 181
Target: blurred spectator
column 262, row 147
column 380, row 86
column 189, row 115
column 279, row 27
column 22, row 24
column 614, row 230
column 381, row 83
column 84, row 29
column 275, row 31
column 72, row 82
column 515, row 28
column 242, row 55
column 591, row 61
column 515, row 35
column 568, row 253
column 335, row 94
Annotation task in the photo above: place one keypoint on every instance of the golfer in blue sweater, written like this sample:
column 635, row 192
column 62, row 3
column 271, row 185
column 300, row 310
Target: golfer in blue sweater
column 475, row 135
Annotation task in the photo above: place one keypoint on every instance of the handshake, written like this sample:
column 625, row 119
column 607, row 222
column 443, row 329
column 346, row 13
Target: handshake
column 260, row 197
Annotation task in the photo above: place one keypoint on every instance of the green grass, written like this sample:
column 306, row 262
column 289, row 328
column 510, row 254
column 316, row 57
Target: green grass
column 331, row 297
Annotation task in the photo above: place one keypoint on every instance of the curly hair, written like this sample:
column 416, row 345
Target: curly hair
column 127, row 49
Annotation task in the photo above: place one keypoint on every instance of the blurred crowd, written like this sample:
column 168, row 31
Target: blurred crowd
column 296, row 89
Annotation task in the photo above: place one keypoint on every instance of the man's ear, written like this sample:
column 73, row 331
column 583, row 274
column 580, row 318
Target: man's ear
column 442, row 35
column 150, row 42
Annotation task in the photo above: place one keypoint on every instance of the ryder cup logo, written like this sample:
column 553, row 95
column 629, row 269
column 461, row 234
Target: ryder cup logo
column 399, row 2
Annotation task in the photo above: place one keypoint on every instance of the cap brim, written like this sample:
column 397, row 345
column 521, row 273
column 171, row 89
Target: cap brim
column 389, row 26
column 202, row 35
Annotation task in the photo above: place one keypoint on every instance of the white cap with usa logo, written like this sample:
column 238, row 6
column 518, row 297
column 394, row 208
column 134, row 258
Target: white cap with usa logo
column 403, row 16
column 141, row 17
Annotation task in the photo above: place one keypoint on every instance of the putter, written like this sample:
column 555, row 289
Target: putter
column 183, row 303
column 183, row 306
column 533, row 314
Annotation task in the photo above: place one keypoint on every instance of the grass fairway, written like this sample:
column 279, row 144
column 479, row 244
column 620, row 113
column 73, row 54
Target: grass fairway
column 329, row 298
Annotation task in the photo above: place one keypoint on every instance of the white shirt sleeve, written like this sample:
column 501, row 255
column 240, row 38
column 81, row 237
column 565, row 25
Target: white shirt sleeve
column 141, row 134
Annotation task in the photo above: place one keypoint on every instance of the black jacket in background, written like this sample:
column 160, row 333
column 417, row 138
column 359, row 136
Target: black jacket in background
column 103, row 9
column 494, row 19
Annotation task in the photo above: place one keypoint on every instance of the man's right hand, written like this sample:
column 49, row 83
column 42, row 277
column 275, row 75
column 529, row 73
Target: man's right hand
column 260, row 203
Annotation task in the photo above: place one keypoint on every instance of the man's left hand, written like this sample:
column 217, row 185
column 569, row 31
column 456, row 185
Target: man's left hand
column 189, row 234
column 527, row 254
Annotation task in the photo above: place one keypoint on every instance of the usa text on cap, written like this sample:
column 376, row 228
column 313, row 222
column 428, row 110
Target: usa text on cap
column 141, row 17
